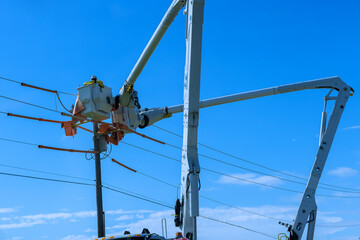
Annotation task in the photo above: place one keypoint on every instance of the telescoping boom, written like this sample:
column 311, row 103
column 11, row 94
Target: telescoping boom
column 127, row 115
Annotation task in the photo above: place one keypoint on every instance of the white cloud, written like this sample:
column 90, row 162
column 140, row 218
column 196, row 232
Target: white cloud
column 16, row 238
column 120, row 211
column 249, row 178
column 152, row 221
column 231, row 215
column 76, row 237
column 8, row 210
column 31, row 220
column 22, row 224
column 343, row 172
column 124, row 217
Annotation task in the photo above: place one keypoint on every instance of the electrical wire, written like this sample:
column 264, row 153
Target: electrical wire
column 141, row 198
column 14, row 81
column 44, row 172
column 259, row 165
column 244, row 210
column 262, row 173
column 148, row 176
column 103, row 156
column 205, row 169
column 231, row 176
column 15, row 141
column 162, row 181
column 46, row 179
column 210, row 199
column 208, row 156
column 124, row 193
column 58, row 97
column 47, row 147
column 235, row 225
column 31, row 104
column 87, row 184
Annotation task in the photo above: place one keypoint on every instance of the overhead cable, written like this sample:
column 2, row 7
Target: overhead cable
column 35, row 87
column 234, row 177
column 45, row 172
column 202, row 196
column 235, row 225
column 123, row 190
column 47, row 147
column 46, row 179
column 256, row 164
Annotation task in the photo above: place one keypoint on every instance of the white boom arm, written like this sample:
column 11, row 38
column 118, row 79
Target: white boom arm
column 190, row 168
column 126, row 90
column 307, row 209
column 156, row 114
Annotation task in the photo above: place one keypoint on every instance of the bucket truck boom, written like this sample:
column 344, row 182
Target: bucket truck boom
column 190, row 168
column 307, row 209
column 126, row 92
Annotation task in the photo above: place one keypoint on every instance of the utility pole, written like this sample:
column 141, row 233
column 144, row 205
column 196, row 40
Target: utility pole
column 99, row 202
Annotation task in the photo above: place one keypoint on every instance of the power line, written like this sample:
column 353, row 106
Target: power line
column 24, row 84
column 256, row 164
column 31, row 104
column 235, row 225
column 46, row 179
column 206, row 169
column 262, row 173
column 211, row 157
column 15, row 141
column 118, row 191
column 244, row 210
column 148, row 176
column 86, row 184
column 45, row 172
column 50, row 148
column 210, row 199
column 141, row 198
column 64, row 175
column 122, row 192
column 44, row 108
column 132, row 194
column 231, row 176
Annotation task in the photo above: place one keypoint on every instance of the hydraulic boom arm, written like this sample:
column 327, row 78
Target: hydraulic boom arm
column 156, row 114
column 307, row 210
column 127, row 88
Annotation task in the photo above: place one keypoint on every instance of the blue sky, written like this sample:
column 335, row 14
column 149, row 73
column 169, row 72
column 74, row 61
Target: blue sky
column 247, row 45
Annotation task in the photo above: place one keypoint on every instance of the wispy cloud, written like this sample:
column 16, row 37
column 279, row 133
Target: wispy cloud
column 249, row 178
column 36, row 219
column 22, row 224
column 343, row 172
column 231, row 215
column 353, row 127
column 8, row 210
column 76, row 237
column 89, row 230
column 124, row 217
